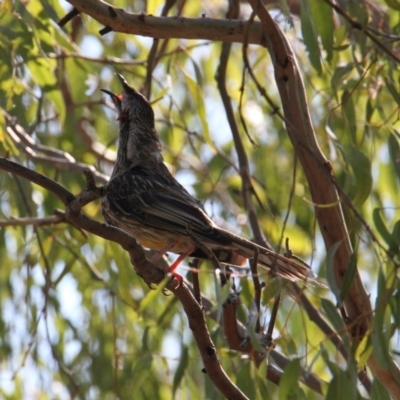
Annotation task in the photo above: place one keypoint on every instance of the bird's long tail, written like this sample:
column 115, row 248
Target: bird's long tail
column 279, row 265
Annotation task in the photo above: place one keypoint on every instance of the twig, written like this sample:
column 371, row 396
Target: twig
column 99, row 60
column 72, row 14
column 257, row 287
column 274, row 314
column 59, row 217
column 194, row 265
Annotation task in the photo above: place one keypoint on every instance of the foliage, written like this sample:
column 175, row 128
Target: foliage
column 76, row 320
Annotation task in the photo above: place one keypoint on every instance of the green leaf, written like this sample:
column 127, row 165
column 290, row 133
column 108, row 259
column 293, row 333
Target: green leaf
column 286, row 10
column 336, row 320
column 381, row 337
column 369, row 110
column 198, row 100
column 198, row 73
column 392, row 90
column 2, row 127
column 56, row 97
column 180, row 371
column 330, row 272
column 244, row 376
column 394, row 151
column 358, row 12
column 339, row 74
column 349, row 115
column 379, row 391
column 310, row 37
column 361, row 166
column 288, row 386
column 363, row 351
column 42, row 72
column 342, row 386
column 349, row 277
column 381, row 228
column 152, row 295
column 323, row 22
column 332, row 313
column 396, row 238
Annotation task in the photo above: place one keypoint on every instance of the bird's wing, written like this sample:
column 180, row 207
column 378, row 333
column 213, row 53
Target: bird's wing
column 158, row 202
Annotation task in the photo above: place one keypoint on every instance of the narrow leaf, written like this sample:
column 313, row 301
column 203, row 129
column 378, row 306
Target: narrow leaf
column 180, row 371
column 381, row 228
column 392, row 90
column 361, row 166
column 197, row 96
column 394, row 151
column 349, row 277
column 396, row 238
column 379, row 391
column 289, row 380
column 330, row 272
column 323, row 21
column 332, row 313
column 349, row 114
column 310, row 37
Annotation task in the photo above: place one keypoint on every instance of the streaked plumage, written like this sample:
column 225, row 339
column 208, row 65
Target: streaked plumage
column 153, row 207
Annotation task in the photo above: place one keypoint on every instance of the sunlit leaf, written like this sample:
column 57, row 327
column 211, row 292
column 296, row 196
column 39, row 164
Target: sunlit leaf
column 323, row 22
column 310, row 36
column 198, row 100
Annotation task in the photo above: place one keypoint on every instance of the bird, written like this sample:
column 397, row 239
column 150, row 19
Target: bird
column 147, row 202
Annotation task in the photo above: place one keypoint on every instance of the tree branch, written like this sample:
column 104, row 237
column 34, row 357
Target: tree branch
column 204, row 28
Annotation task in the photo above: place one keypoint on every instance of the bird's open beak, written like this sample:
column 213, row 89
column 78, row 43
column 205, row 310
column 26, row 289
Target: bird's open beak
column 116, row 99
column 113, row 96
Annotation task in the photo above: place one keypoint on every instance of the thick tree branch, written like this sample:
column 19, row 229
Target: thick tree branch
column 204, row 28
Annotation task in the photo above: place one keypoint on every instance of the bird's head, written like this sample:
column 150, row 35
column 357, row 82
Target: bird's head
column 131, row 105
column 139, row 142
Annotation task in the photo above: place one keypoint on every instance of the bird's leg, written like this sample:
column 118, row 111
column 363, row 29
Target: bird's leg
column 163, row 251
column 176, row 263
